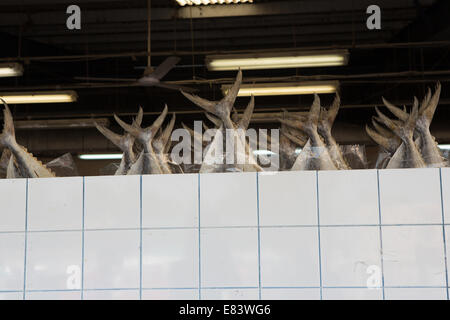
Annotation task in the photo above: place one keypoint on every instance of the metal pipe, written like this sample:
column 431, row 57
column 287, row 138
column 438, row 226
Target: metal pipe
column 427, row 44
column 295, row 78
column 200, row 111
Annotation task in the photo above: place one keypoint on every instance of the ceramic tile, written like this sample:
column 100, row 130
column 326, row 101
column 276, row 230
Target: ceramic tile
column 111, row 259
column 352, row 294
column 350, row 256
column 13, row 199
column 289, row 257
column 171, row 294
column 348, row 197
column 287, row 198
column 413, row 256
column 55, row 204
column 158, row 206
column 416, row 293
column 12, row 248
column 112, row 203
column 410, row 196
column 111, row 295
column 230, row 294
column 229, row 257
column 170, row 258
column 228, row 199
column 54, row 260
column 290, row 294
column 54, row 295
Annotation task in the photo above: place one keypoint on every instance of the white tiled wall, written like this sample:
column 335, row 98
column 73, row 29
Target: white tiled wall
column 361, row 234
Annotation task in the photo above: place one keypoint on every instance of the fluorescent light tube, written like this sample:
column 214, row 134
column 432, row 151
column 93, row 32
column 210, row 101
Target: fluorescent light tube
column 39, row 97
column 444, row 146
column 11, row 70
column 112, row 156
column 60, row 123
column 263, row 153
column 280, row 89
column 280, row 60
column 206, row 2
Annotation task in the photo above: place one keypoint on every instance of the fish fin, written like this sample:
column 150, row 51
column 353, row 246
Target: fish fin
column 376, row 122
column 429, row 110
column 207, row 105
column 296, row 132
column 217, row 122
column 228, row 101
column 425, row 101
column 8, row 135
column 405, row 131
column 386, row 120
column 308, row 124
column 111, row 136
column 222, row 108
column 399, row 113
column 323, row 114
column 139, row 117
column 314, row 112
column 378, row 138
column 167, row 133
column 137, row 132
column 159, row 121
column 143, row 134
column 334, row 109
column 11, row 171
column 295, row 139
column 38, row 167
column 410, row 124
column 193, row 135
column 293, row 123
column 186, row 127
column 247, row 115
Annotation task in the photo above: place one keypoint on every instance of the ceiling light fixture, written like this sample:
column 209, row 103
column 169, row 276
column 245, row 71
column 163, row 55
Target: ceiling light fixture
column 60, row 124
column 263, row 153
column 111, row 156
column 206, row 2
column 281, row 89
column 39, row 97
column 11, row 69
column 283, row 60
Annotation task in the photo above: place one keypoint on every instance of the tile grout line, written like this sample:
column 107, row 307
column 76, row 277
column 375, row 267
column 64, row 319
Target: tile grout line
column 443, row 231
column 140, row 238
column 223, row 288
column 231, row 227
column 199, row 242
column 82, row 240
column 381, row 233
column 259, row 236
column 26, row 242
column 318, row 235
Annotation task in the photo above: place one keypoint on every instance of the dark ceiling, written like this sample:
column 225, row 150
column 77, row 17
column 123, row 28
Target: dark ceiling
column 409, row 53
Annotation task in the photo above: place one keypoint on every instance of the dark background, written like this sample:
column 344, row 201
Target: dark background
column 415, row 37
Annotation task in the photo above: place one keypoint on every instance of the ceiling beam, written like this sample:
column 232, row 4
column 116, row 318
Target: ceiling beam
column 102, row 15
column 129, row 54
column 400, row 17
column 429, row 23
column 292, row 32
column 289, row 7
